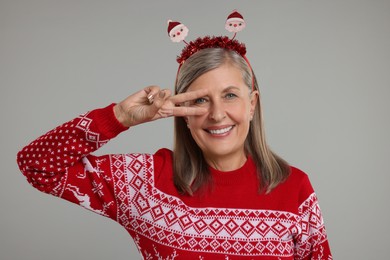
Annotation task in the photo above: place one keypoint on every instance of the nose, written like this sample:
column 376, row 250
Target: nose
column 217, row 112
column 178, row 33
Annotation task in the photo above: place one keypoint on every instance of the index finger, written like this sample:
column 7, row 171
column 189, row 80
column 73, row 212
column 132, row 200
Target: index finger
column 188, row 111
column 188, row 96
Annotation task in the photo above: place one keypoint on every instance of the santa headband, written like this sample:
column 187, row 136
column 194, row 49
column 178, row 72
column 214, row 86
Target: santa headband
column 234, row 23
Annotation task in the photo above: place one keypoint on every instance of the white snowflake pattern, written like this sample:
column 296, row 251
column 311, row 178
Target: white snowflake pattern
column 169, row 257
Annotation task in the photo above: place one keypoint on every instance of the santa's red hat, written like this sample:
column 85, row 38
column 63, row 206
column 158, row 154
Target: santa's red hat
column 172, row 25
column 235, row 16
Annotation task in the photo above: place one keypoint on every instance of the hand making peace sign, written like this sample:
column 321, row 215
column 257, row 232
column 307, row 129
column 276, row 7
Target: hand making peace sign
column 153, row 103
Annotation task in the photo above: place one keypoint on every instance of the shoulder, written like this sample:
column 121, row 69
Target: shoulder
column 162, row 163
column 297, row 183
column 302, row 179
column 290, row 194
column 297, row 176
column 163, row 155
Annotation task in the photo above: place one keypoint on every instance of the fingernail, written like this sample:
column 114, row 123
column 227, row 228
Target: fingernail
column 162, row 94
column 150, row 98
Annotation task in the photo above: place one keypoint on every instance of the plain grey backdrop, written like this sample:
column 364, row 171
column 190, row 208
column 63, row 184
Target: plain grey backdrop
column 323, row 68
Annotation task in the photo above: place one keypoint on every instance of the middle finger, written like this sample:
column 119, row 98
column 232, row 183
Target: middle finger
column 188, row 96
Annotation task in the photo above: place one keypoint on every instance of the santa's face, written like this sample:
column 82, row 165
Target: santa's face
column 179, row 33
column 235, row 25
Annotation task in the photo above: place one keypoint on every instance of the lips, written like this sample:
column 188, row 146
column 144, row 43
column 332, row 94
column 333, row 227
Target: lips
column 220, row 131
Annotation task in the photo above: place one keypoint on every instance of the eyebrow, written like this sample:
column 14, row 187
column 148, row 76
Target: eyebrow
column 231, row 88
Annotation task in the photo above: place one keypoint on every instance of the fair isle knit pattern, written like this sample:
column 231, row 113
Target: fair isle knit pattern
column 163, row 224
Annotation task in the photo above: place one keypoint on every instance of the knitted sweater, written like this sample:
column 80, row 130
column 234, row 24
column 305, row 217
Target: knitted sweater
column 230, row 220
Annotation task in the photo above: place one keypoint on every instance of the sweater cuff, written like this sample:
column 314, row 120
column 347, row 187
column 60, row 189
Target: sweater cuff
column 107, row 123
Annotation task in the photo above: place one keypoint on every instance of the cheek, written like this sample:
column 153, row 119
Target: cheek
column 195, row 121
column 240, row 112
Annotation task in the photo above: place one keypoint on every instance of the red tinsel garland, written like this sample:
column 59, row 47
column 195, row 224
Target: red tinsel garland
column 211, row 42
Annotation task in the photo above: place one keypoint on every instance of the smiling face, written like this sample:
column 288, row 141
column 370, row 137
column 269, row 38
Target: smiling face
column 222, row 131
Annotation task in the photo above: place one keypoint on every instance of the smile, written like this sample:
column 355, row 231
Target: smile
column 220, row 131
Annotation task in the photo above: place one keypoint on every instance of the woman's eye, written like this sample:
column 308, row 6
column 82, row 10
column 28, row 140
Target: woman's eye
column 199, row 101
column 230, row 95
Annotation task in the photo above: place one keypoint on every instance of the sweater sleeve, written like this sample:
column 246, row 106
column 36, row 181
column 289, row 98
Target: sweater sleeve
column 60, row 162
column 311, row 241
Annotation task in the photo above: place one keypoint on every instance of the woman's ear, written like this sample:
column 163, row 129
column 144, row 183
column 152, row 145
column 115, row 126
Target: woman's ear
column 254, row 100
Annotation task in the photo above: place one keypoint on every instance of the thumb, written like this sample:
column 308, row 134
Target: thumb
column 160, row 98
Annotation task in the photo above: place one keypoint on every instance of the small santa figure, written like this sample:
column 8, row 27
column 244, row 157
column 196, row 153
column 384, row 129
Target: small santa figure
column 177, row 31
column 235, row 22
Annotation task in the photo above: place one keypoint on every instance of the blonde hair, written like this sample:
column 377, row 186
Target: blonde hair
column 190, row 168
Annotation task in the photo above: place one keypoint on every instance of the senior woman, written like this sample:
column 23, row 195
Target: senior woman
column 220, row 194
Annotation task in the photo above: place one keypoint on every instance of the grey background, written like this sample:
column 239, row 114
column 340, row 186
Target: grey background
column 324, row 75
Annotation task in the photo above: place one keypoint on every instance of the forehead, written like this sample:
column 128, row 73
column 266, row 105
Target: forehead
column 219, row 79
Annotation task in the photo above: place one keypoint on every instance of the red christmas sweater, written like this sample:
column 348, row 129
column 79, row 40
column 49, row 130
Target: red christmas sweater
column 229, row 221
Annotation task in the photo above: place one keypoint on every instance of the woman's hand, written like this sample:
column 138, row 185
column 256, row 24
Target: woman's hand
column 152, row 103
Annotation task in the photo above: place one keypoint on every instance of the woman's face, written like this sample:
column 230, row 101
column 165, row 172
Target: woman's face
column 221, row 132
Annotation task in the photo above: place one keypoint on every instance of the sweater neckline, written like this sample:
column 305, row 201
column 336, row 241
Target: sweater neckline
column 227, row 177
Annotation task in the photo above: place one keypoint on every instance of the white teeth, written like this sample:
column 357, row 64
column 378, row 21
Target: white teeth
column 220, row 131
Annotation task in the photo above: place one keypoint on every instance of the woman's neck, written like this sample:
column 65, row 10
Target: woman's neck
column 226, row 163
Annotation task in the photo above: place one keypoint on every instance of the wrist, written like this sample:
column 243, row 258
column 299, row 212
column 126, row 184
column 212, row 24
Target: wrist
column 120, row 115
